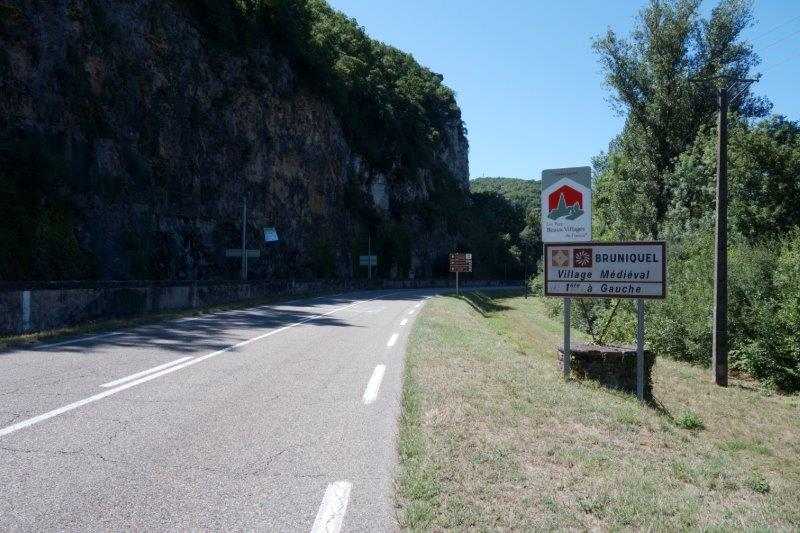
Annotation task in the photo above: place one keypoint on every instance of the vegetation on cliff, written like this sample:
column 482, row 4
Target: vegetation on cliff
column 505, row 233
column 395, row 111
column 131, row 131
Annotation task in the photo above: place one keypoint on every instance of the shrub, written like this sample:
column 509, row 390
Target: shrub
column 689, row 420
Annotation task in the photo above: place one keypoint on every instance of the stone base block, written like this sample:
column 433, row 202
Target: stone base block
column 612, row 366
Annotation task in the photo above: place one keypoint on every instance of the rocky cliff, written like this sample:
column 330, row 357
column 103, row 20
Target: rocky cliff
column 128, row 142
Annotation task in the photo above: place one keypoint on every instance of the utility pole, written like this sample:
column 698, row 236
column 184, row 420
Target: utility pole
column 719, row 356
column 719, row 359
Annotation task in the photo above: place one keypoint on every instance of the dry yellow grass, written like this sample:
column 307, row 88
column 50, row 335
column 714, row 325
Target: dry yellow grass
column 491, row 437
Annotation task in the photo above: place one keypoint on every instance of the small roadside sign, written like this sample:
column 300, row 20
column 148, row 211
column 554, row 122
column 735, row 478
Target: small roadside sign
column 270, row 235
column 460, row 262
column 368, row 260
column 566, row 203
column 606, row 270
column 237, row 252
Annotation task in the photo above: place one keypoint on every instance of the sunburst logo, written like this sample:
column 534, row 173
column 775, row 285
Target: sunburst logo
column 582, row 257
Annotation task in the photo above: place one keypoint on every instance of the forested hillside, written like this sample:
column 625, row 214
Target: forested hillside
column 657, row 181
column 504, row 229
column 131, row 132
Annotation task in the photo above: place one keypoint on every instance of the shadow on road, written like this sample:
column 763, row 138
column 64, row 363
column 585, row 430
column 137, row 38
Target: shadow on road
column 218, row 330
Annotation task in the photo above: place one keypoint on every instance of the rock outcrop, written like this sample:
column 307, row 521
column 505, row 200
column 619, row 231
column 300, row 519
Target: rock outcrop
column 133, row 143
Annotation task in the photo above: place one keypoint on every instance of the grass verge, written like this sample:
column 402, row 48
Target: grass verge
column 491, row 437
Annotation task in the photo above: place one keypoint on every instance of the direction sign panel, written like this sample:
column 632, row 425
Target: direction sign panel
column 460, row 262
column 368, row 260
column 237, row 252
column 606, row 270
column 567, row 204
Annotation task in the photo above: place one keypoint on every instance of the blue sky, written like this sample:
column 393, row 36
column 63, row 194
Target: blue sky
column 527, row 81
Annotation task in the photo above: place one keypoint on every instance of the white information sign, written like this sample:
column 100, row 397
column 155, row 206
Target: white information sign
column 605, row 270
column 270, row 235
column 567, row 204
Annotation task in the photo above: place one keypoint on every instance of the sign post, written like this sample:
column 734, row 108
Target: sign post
column 607, row 270
column 640, row 349
column 460, row 263
column 566, row 207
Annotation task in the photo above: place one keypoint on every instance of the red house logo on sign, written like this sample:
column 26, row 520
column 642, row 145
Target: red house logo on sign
column 565, row 202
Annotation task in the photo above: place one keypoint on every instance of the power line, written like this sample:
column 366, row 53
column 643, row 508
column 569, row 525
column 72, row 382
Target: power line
column 783, row 61
column 781, row 40
column 781, row 25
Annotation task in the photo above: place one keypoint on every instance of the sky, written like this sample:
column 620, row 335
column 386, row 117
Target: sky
column 527, row 81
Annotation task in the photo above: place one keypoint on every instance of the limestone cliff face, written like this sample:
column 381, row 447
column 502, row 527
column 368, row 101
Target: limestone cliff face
column 149, row 139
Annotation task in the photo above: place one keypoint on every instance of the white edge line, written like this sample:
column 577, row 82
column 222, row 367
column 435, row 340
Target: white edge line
column 74, row 341
column 333, row 508
column 144, row 373
column 125, row 386
column 392, row 340
column 374, row 384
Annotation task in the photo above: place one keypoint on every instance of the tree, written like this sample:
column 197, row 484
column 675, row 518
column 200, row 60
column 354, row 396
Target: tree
column 764, row 162
column 663, row 81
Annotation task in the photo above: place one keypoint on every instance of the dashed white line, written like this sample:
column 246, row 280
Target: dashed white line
column 411, row 312
column 125, row 386
column 120, row 381
column 403, row 322
column 392, row 340
column 417, row 306
column 333, row 508
column 374, row 384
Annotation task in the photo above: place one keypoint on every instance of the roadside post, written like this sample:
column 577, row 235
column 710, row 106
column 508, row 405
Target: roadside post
column 566, row 207
column 636, row 270
column 368, row 261
column 460, row 263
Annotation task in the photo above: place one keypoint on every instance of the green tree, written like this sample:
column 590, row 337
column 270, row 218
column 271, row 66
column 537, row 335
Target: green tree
column 662, row 81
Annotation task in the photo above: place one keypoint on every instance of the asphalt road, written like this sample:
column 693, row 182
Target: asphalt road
column 281, row 417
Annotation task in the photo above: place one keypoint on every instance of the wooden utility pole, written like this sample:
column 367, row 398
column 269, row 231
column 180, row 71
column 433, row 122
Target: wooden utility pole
column 719, row 356
column 719, row 359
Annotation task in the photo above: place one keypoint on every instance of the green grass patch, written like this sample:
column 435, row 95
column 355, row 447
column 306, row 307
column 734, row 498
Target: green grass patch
column 491, row 437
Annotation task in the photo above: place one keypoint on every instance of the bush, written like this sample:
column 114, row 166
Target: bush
column 689, row 420
column 763, row 308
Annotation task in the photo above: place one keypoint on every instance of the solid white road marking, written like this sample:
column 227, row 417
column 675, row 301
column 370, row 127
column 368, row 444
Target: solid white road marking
column 403, row 322
column 75, row 341
column 333, row 508
column 392, row 340
column 374, row 384
column 125, row 386
column 143, row 373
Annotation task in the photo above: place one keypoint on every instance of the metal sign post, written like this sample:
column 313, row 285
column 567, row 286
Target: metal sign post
column 567, row 322
column 460, row 263
column 640, row 349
